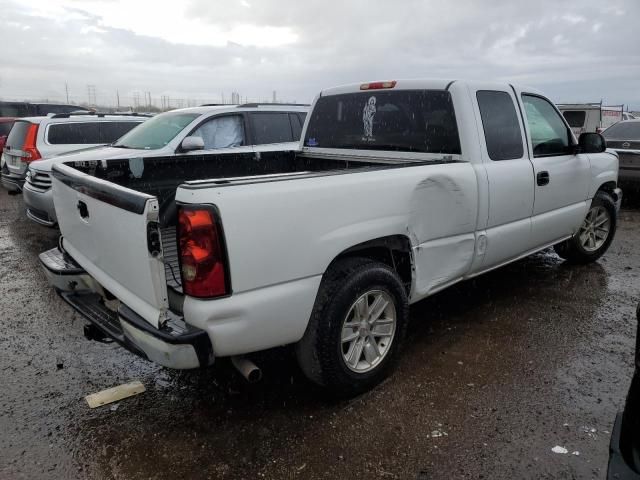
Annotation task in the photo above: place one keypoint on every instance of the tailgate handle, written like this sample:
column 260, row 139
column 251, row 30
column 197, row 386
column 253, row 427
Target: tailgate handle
column 83, row 209
column 154, row 244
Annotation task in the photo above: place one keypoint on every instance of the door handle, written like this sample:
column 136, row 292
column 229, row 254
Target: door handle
column 542, row 178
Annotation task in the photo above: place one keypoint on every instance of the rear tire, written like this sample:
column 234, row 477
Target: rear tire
column 595, row 234
column 357, row 327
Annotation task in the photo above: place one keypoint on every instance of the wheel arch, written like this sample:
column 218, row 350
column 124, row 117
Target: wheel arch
column 393, row 250
column 610, row 188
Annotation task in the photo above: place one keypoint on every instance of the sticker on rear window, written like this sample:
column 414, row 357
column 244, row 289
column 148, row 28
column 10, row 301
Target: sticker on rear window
column 312, row 142
column 368, row 113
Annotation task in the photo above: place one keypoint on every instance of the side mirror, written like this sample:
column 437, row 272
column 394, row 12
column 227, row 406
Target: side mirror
column 592, row 143
column 192, row 143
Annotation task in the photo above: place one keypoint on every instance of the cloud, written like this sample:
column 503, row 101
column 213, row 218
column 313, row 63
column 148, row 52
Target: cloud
column 576, row 50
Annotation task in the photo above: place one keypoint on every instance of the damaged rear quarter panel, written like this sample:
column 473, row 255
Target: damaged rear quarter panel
column 442, row 223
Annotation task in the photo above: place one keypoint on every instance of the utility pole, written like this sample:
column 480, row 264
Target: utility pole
column 91, row 94
column 66, row 89
column 118, row 99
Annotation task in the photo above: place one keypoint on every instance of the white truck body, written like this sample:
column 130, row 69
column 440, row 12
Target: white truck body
column 459, row 214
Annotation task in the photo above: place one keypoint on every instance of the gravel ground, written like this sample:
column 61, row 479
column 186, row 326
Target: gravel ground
column 497, row 372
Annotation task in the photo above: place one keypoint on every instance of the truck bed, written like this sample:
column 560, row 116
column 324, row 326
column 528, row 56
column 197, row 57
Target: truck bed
column 161, row 176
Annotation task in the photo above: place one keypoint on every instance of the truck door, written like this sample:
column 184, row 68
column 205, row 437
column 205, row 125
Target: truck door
column 562, row 177
column 509, row 173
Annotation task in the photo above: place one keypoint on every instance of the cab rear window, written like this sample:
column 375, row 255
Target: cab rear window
column 403, row 121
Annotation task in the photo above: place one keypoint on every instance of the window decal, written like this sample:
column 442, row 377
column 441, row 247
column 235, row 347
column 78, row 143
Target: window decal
column 368, row 113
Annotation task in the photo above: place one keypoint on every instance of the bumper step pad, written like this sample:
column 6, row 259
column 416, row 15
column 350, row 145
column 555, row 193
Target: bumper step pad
column 91, row 307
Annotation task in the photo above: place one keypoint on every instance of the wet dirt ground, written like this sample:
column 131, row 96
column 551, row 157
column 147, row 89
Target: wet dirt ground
column 496, row 372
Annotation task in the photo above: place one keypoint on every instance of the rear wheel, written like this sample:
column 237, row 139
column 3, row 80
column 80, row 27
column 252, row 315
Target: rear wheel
column 356, row 328
column 594, row 235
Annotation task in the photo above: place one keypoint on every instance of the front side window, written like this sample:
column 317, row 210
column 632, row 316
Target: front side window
column 549, row 133
column 156, row 132
column 222, row 132
column 271, row 128
column 501, row 125
column 575, row 118
column 400, row 121
column 74, row 134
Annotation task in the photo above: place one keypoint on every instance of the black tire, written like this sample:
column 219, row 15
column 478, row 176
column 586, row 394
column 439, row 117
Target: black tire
column 572, row 249
column 320, row 352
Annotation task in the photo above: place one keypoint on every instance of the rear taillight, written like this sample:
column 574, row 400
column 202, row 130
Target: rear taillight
column 29, row 147
column 203, row 260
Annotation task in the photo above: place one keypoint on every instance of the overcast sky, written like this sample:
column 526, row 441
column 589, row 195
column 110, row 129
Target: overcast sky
column 574, row 50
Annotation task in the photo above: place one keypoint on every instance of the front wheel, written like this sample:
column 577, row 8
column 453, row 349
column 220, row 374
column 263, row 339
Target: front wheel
column 356, row 328
column 594, row 235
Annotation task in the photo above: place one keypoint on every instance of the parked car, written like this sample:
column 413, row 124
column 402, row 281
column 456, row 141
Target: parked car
column 193, row 130
column 628, row 116
column 398, row 190
column 37, row 138
column 30, row 109
column 5, row 127
column 624, row 457
column 591, row 117
column 624, row 138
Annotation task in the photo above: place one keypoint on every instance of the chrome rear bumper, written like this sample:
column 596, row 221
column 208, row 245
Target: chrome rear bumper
column 176, row 345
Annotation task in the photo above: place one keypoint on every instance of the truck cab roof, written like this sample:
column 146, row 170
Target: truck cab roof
column 411, row 84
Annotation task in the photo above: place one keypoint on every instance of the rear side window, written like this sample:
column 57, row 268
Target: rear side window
column 501, row 126
column 296, row 126
column 73, row 134
column 575, row 118
column 403, row 121
column 112, row 131
column 16, row 137
column 271, row 128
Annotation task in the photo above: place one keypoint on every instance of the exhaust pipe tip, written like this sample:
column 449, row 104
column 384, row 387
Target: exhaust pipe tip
column 249, row 370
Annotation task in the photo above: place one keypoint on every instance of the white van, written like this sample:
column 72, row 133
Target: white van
column 591, row 117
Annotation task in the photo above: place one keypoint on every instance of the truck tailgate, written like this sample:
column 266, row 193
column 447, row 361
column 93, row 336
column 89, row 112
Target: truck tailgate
column 112, row 232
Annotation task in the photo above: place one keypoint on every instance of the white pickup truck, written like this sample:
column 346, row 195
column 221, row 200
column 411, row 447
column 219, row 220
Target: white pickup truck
column 398, row 190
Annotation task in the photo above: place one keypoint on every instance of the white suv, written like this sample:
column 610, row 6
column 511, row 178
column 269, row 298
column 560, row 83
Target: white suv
column 187, row 130
column 37, row 138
